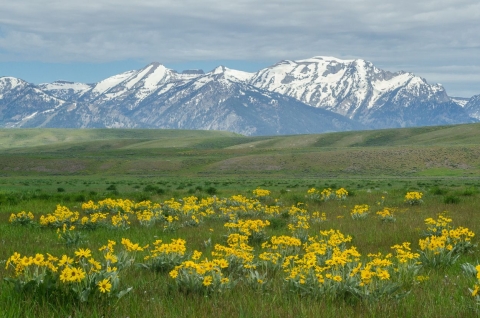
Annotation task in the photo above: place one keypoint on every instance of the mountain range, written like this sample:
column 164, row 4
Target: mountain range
column 315, row 95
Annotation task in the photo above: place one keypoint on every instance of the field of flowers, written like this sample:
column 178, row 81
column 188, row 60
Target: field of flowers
column 334, row 253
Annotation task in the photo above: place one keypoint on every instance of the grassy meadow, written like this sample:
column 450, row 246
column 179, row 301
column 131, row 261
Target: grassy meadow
column 193, row 183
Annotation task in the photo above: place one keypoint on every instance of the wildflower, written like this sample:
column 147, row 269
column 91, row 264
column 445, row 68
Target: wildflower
column 83, row 253
column 196, row 255
column 111, row 258
column 111, row 269
column 13, row 259
column 337, row 278
column 104, row 286
column 65, row 260
column 207, row 280
column 51, row 258
column 96, row 266
column 26, row 261
column 76, row 275
column 383, row 275
column 65, row 274
column 475, row 291
column 38, row 259
column 173, row 273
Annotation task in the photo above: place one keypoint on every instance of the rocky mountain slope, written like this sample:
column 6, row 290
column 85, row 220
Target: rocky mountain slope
column 291, row 97
column 156, row 97
column 472, row 107
column 362, row 92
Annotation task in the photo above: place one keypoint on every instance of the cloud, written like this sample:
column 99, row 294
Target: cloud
column 388, row 33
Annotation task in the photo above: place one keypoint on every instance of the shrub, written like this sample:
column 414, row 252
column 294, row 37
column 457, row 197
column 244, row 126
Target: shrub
column 439, row 191
column 150, row 188
column 211, row 190
column 451, row 199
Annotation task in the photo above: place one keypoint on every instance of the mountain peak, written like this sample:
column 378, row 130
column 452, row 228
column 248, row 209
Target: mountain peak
column 219, row 70
column 231, row 74
column 9, row 82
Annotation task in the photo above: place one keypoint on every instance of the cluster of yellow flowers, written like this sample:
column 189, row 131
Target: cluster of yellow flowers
column 241, row 206
column 62, row 215
column 328, row 267
column 145, row 217
column 278, row 248
column 254, row 229
column 435, row 227
column 238, row 254
column 133, row 247
column 259, row 193
column 386, row 215
column 197, row 275
column 82, row 274
column 318, row 217
column 413, row 197
column 341, row 194
column 325, row 264
column 94, row 220
column 188, row 211
column 299, row 221
column 444, row 243
column 165, row 256
column 23, row 218
column 360, row 211
column 109, row 205
column 120, row 221
column 327, row 194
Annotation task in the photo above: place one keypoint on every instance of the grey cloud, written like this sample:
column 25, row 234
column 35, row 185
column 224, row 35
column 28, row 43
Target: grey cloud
column 388, row 33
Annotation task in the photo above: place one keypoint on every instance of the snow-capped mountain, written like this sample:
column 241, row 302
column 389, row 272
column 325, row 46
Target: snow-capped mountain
column 345, row 95
column 20, row 101
column 220, row 100
column 156, row 97
column 360, row 91
column 472, row 107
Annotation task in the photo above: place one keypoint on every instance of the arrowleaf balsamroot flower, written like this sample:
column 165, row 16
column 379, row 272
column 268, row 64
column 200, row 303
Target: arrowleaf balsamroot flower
column 104, row 286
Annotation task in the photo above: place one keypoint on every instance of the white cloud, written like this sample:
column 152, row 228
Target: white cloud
column 388, row 33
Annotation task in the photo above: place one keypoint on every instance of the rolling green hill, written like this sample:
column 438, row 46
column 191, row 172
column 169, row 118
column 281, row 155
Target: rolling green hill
column 425, row 151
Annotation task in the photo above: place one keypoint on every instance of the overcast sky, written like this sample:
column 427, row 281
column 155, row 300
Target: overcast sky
column 89, row 40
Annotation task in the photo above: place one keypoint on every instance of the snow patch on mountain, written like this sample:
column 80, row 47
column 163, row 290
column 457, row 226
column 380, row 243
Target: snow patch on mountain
column 108, row 83
column 10, row 83
column 64, row 85
column 460, row 101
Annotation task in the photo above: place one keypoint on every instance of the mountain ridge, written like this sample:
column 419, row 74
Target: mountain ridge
column 157, row 97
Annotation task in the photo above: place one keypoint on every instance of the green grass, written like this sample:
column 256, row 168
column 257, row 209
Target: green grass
column 445, row 294
column 425, row 152
column 40, row 168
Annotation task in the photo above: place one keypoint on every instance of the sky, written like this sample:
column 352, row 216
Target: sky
column 90, row 40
